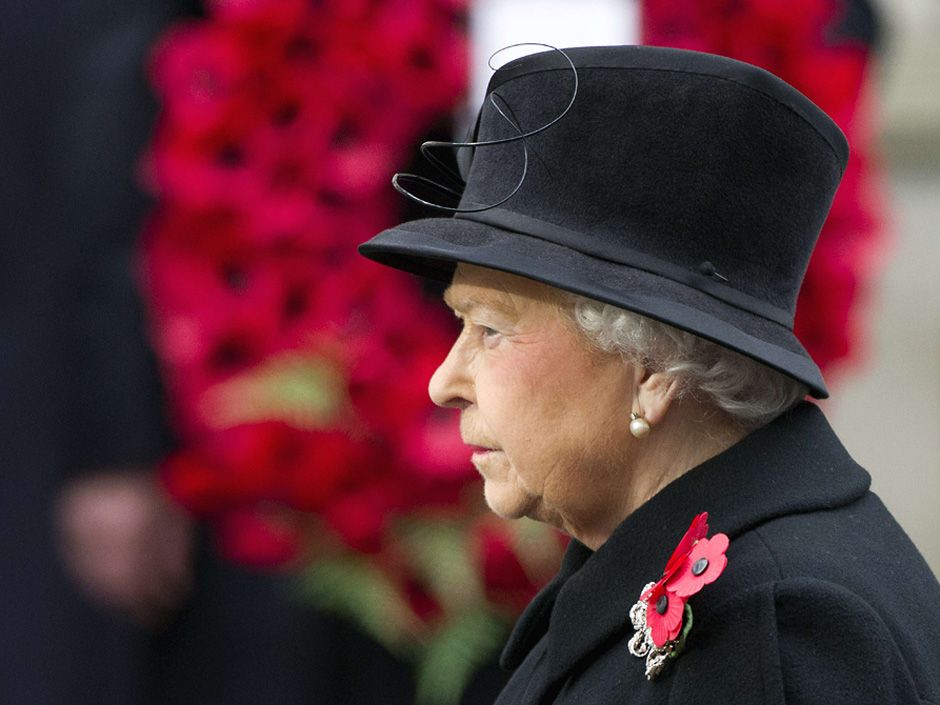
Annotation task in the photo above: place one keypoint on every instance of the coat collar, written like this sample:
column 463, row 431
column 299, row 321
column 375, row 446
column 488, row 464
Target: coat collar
column 794, row 464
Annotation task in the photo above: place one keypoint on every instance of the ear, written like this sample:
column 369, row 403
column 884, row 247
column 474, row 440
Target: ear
column 655, row 394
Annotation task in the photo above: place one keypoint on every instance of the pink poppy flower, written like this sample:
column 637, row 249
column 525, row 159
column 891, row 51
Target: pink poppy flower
column 704, row 563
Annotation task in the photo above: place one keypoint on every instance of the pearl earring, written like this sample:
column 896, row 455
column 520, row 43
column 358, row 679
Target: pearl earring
column 639, row 426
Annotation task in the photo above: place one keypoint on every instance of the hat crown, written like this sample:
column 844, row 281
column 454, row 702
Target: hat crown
column 683, row 186
column 692, row 166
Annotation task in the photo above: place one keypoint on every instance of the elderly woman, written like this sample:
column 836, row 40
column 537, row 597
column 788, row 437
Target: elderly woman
column 625, row 259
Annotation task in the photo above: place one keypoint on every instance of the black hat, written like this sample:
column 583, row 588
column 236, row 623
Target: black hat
column 684, row 186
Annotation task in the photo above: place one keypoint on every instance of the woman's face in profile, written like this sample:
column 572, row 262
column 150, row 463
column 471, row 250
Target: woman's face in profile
column 548, row 413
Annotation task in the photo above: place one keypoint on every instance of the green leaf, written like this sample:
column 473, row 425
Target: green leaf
column 307, row 387
column 354, row 588
column 686, row 628
column 438, row 552
column 454, row 655
column 305, row 391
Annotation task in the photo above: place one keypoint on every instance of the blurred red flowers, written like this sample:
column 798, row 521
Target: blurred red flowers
column 508, row 582
column 298, row 370
column 280, row 125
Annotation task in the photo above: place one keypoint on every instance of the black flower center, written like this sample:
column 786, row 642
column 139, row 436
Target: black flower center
column 662, row 604
column 700, row 566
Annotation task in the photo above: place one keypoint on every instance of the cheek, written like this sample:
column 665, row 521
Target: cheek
column 516, row 375
column 521, row 384
column 563, row 400
column 530, row 395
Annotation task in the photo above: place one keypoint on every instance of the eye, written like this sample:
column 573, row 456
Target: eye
column 490, row 336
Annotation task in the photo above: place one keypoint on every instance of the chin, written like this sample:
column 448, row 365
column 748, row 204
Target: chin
column 508, row 501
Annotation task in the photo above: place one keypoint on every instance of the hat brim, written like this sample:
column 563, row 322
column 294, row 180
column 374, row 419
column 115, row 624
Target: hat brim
column 432, row 247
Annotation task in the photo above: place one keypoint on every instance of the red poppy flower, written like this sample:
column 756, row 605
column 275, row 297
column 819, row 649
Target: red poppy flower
column 664, row 611
column 266, row 13
column 199, row 70
column 702, row 566
column 258, row 538
column 216, row 169
column 425, row 51
column 195, row 482
column 360, row 518
column 696, row 531
column 696, row 562
column 325, row 463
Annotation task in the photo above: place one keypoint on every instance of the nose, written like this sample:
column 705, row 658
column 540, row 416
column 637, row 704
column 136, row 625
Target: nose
column 451, row 384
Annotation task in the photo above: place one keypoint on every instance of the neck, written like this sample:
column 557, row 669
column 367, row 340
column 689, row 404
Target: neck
column 689, row 435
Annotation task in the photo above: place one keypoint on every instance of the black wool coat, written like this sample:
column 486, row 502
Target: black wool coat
column 824, row 598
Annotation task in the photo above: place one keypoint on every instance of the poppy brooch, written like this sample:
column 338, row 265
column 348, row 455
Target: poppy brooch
column 662, row 617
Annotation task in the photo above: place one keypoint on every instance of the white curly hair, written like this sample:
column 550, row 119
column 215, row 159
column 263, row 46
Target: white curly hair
column 750, row 392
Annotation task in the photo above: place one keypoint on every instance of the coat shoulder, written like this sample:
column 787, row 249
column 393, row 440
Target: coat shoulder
column 833, row 606
column 831, row 601
column 797, row 640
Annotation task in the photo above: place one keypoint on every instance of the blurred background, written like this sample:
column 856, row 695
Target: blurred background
column 220, row 478
column 897, row 378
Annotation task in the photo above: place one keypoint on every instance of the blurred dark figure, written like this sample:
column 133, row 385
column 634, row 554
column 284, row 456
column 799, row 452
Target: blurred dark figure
column 81, row 419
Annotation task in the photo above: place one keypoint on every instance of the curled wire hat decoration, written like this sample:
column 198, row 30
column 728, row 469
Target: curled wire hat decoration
column 455, row 176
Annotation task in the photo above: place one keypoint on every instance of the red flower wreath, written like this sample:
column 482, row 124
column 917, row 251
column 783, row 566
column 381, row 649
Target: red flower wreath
column 294, row 366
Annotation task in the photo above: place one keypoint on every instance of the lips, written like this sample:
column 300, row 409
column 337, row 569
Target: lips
column 481, row 449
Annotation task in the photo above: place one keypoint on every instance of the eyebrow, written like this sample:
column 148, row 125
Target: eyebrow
column 465, row 303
